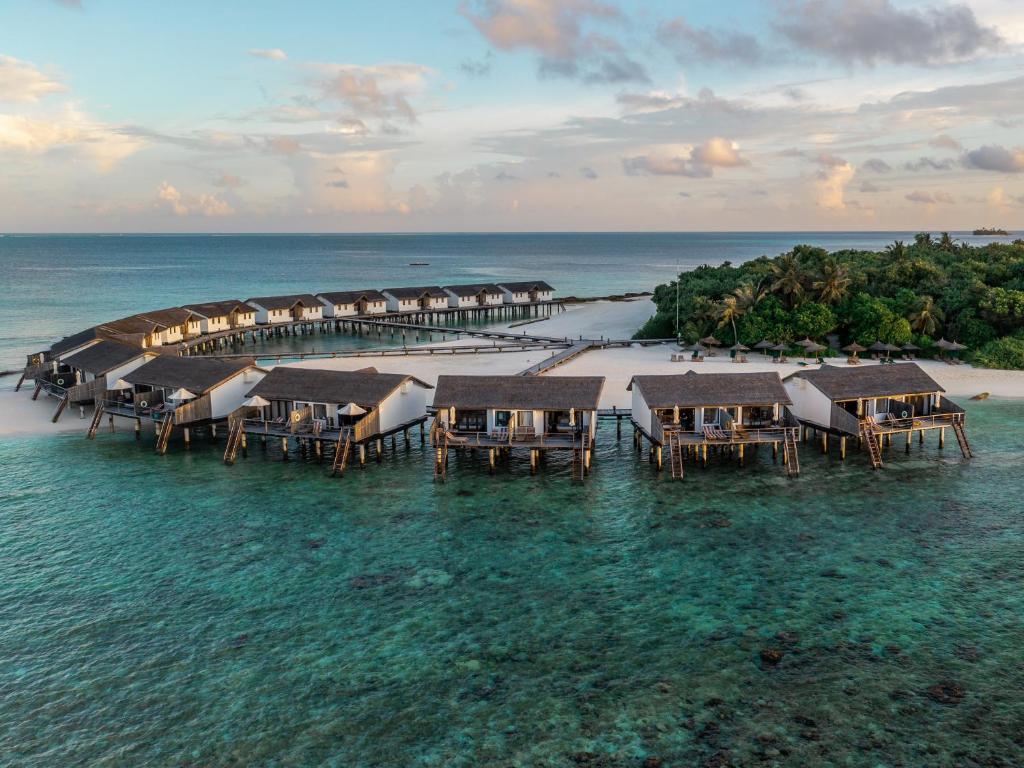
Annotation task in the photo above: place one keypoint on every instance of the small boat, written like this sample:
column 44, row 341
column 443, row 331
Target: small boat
column 419, row 263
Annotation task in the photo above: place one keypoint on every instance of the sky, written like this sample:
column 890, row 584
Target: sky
column 510, row 115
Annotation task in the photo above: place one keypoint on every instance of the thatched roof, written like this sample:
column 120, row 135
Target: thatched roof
column 103, row 356
column 196, row 374
column 870, row 381
column 433, row 291
column 550, row 393
column 211, row 309
column 696, row 390
column 365, row 388
column 526, row 287
column 351, row 297
column 286, row 302
column 474, row 289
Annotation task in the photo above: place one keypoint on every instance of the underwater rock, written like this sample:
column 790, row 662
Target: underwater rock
column 664, row 687
column 967, row 652
column 240, row 641
column 315, row 543
column 430, row 577
column 653, row 762
column 981, row 396
column 463, row 492
column 832, row 573
column 946, row 692
column 366, row 580
column 771, row 656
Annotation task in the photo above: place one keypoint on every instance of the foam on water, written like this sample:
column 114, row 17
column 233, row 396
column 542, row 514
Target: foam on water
column 173, row 611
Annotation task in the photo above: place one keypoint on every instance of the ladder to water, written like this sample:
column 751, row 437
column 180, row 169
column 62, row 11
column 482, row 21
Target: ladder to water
column 790, row 454
column 164, row 433
column 675, row 455
column 341, row 454
column 94, row 425
column 867, row 431
column 961, row 438
column 64, row 399
column 234, row 441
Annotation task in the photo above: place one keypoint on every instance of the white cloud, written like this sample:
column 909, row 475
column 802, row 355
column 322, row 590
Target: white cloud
column 694, row 161
column 67, row 129
column 381, row 91
column 22, row 82
column 274, row 54
column 181, row 204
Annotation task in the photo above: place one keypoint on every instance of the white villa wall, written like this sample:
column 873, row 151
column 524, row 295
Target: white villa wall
column 438, row 302
column 265, row 316
column 809, row 402
column 407, row 403
column 401, row 305
column 494, row 299
column 230, row 395
column 641, row 412
column 376, row 307
column 214, row 324
column 460, row 302
column 518, row 297
column 313, row 313
column 337, row 310
column 544, row 295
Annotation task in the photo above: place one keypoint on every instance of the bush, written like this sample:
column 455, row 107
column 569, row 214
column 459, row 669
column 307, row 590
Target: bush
column 1007, row 353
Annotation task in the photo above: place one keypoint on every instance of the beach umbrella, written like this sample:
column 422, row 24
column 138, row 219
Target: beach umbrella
column 120, row 384
column 181, row 394
column 956, row 346
column 739, row 348
column 256, row 402
column 572, row 417
column 352, row 410
column 943, row 344
column 780, row 348
column 805, row 343
column 451, row 415
column 711, row 341
column 675, row 414
column 908, row 347
column 764, row 345
column 854, row 347
column 696, row 348
column 813, row 348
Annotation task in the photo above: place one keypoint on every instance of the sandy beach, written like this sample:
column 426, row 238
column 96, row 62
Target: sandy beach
column 20, row 416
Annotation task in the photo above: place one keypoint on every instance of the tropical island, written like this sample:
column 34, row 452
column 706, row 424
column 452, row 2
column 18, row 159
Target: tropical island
column 990, row 232
column 914, row 294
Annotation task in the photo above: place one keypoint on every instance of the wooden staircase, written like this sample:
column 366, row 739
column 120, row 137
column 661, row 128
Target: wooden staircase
column 439, row 441
column 341, row 455
column 21, row 380
column 790, row 454
column 961, row 438
column 163, row 436
column 675, row 456
column 64, row 400
column 234, row 440
column 94, row 425
column 870, row 436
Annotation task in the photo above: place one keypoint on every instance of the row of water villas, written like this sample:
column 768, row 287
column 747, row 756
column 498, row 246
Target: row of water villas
column 346, row 417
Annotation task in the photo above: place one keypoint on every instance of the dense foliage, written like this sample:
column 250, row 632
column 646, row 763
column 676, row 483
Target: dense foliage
column 917, row 292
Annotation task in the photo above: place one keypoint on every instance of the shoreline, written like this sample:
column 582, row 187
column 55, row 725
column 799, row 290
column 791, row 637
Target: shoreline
column 22, row 417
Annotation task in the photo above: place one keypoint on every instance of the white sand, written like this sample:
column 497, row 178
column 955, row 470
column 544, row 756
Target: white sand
column 20, row 416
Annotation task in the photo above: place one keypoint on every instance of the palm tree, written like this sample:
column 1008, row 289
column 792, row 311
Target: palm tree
column 748, row 295
column 897, row 251
column 789, row 278
column 927, row 318
column 923, row 239
column 946, row 243
column 834, row 282
column 728, row 312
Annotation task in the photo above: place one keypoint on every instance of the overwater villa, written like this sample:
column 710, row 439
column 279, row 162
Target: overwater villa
column 348, row 410
column 181, row 392
column 216, row 316
column 429, row 298
column 874, row 403
column 300, row 307
column 499, row 413
column 691, row 413
column 353, row 303
column 526, row 292
column 84, row 376
column 474, row 296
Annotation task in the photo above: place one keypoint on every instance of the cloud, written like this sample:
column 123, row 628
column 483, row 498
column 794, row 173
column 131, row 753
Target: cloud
column 872, row 32
column 505, row 176
column 930, row 164
column 588, row 173
column 831, row 181
column 997, row 158
column 186, row 205
column 283, row 145
column 274, row 54
column 697, row 162
column 869, row 188
column 381, row 91
column 555, row 30
column 876, row 165
column 944, row 141
column 228, row 181
column 477, row 67
column 690, row 44
column 929, row 198
column 22, row 82
column 337, row 184
column 68, row 130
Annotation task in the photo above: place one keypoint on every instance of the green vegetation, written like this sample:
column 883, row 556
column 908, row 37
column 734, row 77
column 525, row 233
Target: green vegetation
column 916, row 292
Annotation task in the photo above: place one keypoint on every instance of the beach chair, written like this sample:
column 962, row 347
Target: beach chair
column 709, row 432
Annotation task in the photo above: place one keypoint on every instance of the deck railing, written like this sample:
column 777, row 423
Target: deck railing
column 367, row 426
column 200, row 409
column 775, row 434
column 492, row 440
column 933, row 421
column 842, row 420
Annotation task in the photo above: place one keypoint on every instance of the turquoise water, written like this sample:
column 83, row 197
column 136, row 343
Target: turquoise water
column 60, row 284
column 171, row 611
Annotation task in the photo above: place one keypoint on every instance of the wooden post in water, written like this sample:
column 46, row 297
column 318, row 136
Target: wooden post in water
column 942, row 437
column 824, row 442
column 362, row 455
column 490, row 460
column 187, row 436
column 910, row 434
column 284, row 448
column 842, row 447
column 741, row 447
column 658, row 458
column 380, row 449
column 138, row 429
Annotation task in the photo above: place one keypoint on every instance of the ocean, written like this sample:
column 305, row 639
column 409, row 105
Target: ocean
column 173, row 611
column 60, row 284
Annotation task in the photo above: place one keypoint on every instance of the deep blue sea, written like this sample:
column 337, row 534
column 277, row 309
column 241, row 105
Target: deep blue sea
column 59, row 284
column 172, row 611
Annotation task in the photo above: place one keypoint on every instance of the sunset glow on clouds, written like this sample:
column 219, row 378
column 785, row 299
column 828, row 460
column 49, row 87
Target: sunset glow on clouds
column 513, row 115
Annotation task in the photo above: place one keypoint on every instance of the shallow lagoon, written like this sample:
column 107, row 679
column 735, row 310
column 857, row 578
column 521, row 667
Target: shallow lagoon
column 173, row 611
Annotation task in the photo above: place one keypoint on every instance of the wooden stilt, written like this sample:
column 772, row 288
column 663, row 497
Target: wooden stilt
column 842, row 447
column 942, row 437
column 284, row 448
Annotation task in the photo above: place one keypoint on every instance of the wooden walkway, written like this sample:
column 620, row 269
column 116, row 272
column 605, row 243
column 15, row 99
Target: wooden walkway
column 562, row 357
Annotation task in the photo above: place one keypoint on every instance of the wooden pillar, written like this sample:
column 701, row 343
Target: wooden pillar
column 533, row 460
column 775, row 452
column 824, row 442
column 284, row 448
column 942, row 437
column 362, row 455
column 111, row 422
column 618, row 427
column 138, row 429
column 658, row 457
column 741, row 447
column 910, row 434
column 422, row 433
column 318, row 448
column 490, row 459
column 842, row 447
column 245, row 444
column 704, row 458
column 380, row 449
column 188, row 438
column 394, row 442
column 920, row 437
